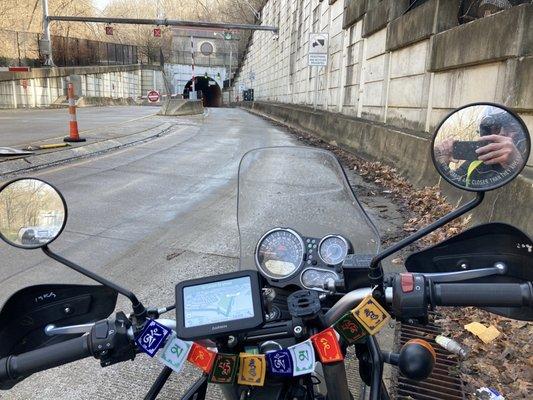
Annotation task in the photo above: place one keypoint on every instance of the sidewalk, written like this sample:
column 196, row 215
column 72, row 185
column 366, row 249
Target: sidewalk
column 97, row 141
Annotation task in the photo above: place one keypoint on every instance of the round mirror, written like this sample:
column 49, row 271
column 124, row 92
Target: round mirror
column 32, row 213
column 481, row 147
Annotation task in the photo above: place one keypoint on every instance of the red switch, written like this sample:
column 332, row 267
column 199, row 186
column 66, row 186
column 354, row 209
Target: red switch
column 407, row 282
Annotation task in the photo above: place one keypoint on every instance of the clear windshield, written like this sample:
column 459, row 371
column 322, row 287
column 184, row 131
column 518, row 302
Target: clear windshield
column 301, row 188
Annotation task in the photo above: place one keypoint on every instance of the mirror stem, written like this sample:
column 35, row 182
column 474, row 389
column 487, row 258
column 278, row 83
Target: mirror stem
column 376, row 271
column 138, row 308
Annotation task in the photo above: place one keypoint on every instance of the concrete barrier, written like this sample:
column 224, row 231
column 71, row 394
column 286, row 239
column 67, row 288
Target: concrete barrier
column 177, row 107
column 408, row 152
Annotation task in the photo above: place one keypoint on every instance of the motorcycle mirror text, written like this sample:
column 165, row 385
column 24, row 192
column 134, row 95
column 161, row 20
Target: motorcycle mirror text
column 32, row 213
column 481, row 147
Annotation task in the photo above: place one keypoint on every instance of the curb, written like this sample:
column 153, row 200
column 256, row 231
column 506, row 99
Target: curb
column 40, row 161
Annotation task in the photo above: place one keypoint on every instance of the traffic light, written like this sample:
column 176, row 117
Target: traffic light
column 157, row 32
column 109, row 30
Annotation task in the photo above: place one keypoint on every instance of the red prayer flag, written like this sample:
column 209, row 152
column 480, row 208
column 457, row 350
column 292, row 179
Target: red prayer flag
column 202, row 357
column 327, row 346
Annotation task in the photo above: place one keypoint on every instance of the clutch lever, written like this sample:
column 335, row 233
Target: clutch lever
column 52, row 330
column 499, row 268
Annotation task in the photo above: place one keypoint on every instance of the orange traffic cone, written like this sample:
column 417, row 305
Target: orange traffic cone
column 74, row 135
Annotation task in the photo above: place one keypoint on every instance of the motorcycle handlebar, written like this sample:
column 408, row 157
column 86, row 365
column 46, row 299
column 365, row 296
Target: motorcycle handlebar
column 13, row 368
column 483, row 294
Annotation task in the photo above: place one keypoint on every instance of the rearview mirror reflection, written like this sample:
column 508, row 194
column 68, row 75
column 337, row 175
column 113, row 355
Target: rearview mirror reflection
column 32, row 213
column 481, row 147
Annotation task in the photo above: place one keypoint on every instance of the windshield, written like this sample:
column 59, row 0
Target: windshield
column 303, row 189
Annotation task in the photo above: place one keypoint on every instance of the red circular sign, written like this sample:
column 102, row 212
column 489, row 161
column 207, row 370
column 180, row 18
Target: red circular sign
column 153, row 96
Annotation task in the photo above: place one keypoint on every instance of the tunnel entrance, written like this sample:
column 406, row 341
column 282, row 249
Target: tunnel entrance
column 211, row 93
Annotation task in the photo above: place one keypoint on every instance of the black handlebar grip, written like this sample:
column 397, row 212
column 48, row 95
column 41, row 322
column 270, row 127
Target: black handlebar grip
column 483, row 294
column 16, row 367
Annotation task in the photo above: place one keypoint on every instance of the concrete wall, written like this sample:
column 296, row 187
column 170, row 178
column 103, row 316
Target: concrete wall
column 41, row 87
column 402, row 70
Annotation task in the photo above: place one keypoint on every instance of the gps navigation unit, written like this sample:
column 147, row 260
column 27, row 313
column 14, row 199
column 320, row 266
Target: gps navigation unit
column 218, row 305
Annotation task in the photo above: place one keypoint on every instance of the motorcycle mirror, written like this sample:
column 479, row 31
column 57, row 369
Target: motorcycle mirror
column 33, row 213
column 481, row 147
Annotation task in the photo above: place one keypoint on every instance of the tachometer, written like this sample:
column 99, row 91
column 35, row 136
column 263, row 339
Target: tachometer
column 333, row 249
column 279, row 253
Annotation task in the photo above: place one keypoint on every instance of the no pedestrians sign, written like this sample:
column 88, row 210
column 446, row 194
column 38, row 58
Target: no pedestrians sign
column 318, row 49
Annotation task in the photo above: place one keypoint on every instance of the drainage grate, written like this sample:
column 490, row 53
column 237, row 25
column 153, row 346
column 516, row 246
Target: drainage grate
column 441, row 384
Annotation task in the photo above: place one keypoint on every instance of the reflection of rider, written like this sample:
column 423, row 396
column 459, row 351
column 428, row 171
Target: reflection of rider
column 505, row 134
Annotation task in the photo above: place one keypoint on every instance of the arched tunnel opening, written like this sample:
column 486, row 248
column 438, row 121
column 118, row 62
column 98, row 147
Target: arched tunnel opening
column 211, row 93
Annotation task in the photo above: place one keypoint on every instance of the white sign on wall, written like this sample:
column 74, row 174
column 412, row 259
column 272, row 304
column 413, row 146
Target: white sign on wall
column 318, row 49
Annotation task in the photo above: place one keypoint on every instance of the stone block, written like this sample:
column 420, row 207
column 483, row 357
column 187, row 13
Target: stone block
column 375, row 44
column 431, row 17
column 499, row 36
column 408, row 118
column 375, row 68
column 409, row 91
column 410, row 60
column 376, row 17
column 353, row 11
column 518, row 89
column 457, row 87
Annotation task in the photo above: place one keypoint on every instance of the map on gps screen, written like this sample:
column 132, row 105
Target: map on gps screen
column 216, row 302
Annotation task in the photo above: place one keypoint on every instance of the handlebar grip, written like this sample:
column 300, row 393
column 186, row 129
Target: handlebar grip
column 483, row 294
column 16, row 367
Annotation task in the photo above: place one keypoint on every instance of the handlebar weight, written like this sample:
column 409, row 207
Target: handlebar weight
column 483, row 294
column 15, row 367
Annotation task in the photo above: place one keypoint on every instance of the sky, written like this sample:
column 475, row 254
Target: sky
column 100, row 3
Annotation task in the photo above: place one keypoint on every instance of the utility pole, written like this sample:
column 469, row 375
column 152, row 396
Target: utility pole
column 46, row 44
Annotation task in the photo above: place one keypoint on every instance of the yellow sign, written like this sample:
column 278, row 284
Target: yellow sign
column 252, row 369
column 371, row 315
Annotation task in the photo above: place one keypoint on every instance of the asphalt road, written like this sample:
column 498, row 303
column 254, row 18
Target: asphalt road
column 23, row 127
column 148, row 217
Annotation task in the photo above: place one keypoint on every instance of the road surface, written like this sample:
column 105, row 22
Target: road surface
column 147, row 217
column 24, row 127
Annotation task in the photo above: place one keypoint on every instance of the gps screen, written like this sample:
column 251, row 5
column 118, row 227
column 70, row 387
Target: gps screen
column 216, row 302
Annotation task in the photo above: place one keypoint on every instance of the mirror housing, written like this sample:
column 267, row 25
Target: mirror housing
column 480, row 147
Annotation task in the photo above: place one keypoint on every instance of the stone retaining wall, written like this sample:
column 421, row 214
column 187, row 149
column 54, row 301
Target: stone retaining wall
column 406, row 69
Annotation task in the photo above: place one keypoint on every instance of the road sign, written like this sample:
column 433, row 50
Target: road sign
column 109, row 30
column 157, row 32
column 153, row 96
column 318, row 49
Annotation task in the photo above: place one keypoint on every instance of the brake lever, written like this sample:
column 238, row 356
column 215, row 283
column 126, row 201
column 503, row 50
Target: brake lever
column 52, row 330
column 443, row 277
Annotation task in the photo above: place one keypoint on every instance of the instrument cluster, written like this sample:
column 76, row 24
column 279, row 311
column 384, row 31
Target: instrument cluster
column 285, row 257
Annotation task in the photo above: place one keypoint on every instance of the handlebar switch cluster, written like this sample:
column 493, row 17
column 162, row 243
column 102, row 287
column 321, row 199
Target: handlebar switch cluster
column 409, row 302
column 109, row 340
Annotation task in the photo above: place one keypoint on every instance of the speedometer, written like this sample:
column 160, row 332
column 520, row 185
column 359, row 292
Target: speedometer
column 333, row 249
column 279, row 253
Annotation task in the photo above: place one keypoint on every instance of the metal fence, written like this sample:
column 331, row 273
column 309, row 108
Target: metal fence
column 80, row 52
column 22, row 49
